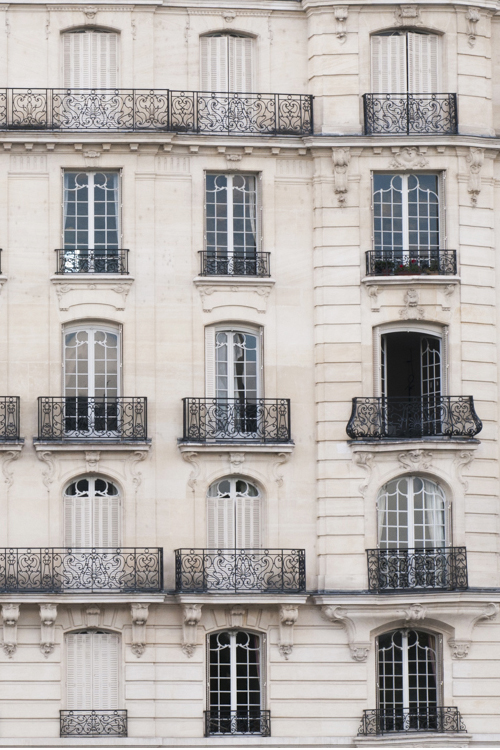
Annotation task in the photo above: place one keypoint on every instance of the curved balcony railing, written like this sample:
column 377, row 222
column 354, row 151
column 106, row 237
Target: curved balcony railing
column 156, row 110
column 83, row 723
column 429, row 568
column 410, row 114
column 230, row 420
column 413, row 417
column 222, row 264
column 267, row 571
column 92, row 261
column 9, row 418
column 54, row 570
column 81, row 418
column 419, row 719
column 411, row 262
column 222, row 721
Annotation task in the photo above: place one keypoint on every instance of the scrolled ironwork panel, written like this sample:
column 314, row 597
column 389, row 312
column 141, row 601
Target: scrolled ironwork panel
column 411, row 262
column 92, row 261
column 59, row 570
column 220, row 264
column 92, row 418
column 94, row 109
column 378, row 721
column 29, row 109
column 430, row 568
column 223, row 721
column 411, row 114
column 9, row 418
column 233, row 420
column 413, row 417
column 83, row 723
column 3, row 108
column 258, row 570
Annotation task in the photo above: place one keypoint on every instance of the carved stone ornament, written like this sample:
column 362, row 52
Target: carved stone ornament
column 7, row 460
column 90, row 11
column 237, row 617
column 92, row 461
column 281, row 459
column 365, row 462
column 448, row 292
column 133, row 460
column 48, row 614
column 236, row 461
column 191, row 616
column 341, row 158
column 92, row 616
column 411, row 309
column 409, row 157
column 408, row 15
column 417, row 460
column 373, row 292
column 463, row 459
column 228, row 15
column 414, row 613
column 475, row 161
column 288, row 617
column 10, row 616
column 473, row 16
column 341, row 12
column 359, row 649
column 139, row 614
column 234, row 157
column 459, row 649
column 252, row 293
column 191, row 458
column 47, row 458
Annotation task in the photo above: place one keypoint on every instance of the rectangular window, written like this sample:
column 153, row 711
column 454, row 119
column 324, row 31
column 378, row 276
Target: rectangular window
column 231, row 217
column 405, row 62
column 91, row 211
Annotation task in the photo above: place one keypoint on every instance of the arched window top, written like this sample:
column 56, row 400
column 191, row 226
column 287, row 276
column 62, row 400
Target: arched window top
column 226, row 62
column 233, row 487
column 92, row 512
column 90, row 59
column 88, row 486
column 405, row 61
column 233, row 514
column 411, row 514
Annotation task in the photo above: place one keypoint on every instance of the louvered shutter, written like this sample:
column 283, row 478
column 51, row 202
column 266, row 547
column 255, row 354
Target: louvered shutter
column 77, row 522
column 210, row 362
column 388, row 64
column 90, row 60
column 106, row 521
column 105, row 652
column 79, row 671
column 248, row 522
column 423, row 63
column 220, row 522
column 214, row 63
column 240, row 64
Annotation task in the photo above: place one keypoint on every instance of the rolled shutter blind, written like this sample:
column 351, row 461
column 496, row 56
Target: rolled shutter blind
column 423, row 63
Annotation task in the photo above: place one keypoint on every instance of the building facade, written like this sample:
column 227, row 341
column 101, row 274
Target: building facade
column 192, row 257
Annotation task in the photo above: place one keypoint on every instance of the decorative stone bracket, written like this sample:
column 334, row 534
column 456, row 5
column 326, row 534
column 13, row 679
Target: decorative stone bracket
column 92, row 289
column 359, row 649
column 475, row 161
column 48, row 614
column 341, row 158
column 341, row 12
column 251, row 293
column 473, row 16
column 191, row 616
column 10, row 616
column 288, row 617
column 139, row 614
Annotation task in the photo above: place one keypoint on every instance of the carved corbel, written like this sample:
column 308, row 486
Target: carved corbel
column 463, row 459
column 359, row 649
column 365, row 462
column 7, row 472
column 139, row 614
column 133, row 461
column 459, row 649
column 473, row 16
column 288, row 617
column 191, row 616
column 48, row 614
column 461, row 642
column 92, row 461
column 373, row 292
column 237, row 617
column 48, row 458
column 411, row 309
column 341, row 12
column 236, row 461
column 191, row 458
column 10, row 616
column 475, row 161
column 341, row 158
column 281, row 459
column 92, row 616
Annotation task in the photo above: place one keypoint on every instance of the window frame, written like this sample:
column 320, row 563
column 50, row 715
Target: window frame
column 258, row 208
column 86, row 30
column 210, row 354
column 121, row 507
column 120, row 671
column 119, row 204
column 233, row 497
column 115, row 328
column 253, row 62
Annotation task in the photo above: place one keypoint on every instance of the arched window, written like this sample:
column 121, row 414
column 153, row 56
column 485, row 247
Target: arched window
column 233, row 363
column 411, row 365
column 92, row 659
column 233, row 515
column 412, row 514
column 226, row 63
column 235, row 683
column 405, row 62
column 92, row 514
column 90, row 59
column 408, row 681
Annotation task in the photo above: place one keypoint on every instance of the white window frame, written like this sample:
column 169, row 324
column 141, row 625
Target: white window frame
column 91, row 206
column 120, row 504
column 93, row 326
column 227, row 35
column 230, row 203
column 407, row 63
column 231, row 511
column 210, row 359
column 91, row 30
column 120, row 662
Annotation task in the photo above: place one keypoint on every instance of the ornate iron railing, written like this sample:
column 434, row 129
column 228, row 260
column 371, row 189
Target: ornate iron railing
column 413, row 417
column 243, row 721
column 222, row 264
column 156, row 110
column 267, row 571
column 418, row 719
column 411, row 262
column 92, row 261
column 9, row 418
column 55, row 570
column 411, row 114
column 230, row 420
column 82, row 723
column 92, row 418
column 430, row 568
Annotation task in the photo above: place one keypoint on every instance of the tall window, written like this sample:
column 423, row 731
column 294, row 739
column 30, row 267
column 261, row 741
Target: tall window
column 406, row 212
column 235, row 682
column 411, row 514
column 405, row 62
column 92, row 514
column 90, row 59
column 233, row 515
column 91, row 210
column 408, row 681
column 411, row 365
column 231, row 220
column 92, row 670
column 226, row 63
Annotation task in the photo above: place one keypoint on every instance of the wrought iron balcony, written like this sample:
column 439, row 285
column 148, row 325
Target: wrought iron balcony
column 63, row 570
column 429, row 568
column 9, row 418
column 201, row 112
column 231, row 420
column 83, row 723
column 411, row 262
column 265, row 571
column 413, row 417
column 410, row 114
column 81, row 418
column 244, row 264
column 419, row 719
column 243, row 721
column 92, row 261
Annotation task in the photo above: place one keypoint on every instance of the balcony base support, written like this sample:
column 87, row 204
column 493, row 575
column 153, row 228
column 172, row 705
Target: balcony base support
column 288, row 616
column 416, row 739
column 191, row 616
column 233, row 291
column 48, row 614
column 139, row 612
column 10, row 616
column 87, row 289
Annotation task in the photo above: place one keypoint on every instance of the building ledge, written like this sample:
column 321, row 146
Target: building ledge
column 416, row 739
column 393, row 445
column 236, row 447
column 67, row 446
column 12, row 445
column 81, row 597
column 410, row 280
column 74, row 289
column 248, row 597
column 234, row 291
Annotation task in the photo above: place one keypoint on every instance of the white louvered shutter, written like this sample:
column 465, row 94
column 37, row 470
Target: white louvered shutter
column 389, row 64
column 423, row 63
column 240, row 64
column 106, row 521
column 210, row 362
column 105, row 652
column 79, row 671
column 90, row 60
column 220, row 522
column 214, row 63
column 248, row 522
column 77, row 522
